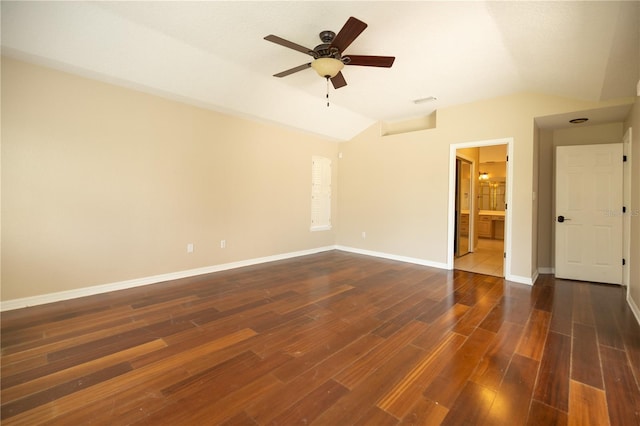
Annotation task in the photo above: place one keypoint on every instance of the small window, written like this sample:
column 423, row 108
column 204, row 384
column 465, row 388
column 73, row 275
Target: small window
column 320, row 193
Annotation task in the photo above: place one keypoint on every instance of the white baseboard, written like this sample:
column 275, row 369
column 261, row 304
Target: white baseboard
column 394, row 257
column 546, row 270
column 634, row 307
column 522, row 280
column 121, row 285
column 513, row 278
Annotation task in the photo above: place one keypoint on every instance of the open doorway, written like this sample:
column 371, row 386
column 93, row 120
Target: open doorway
column 480, row 211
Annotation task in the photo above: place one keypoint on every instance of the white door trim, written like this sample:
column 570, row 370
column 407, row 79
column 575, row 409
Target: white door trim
column 626, row 201
column 452, row 194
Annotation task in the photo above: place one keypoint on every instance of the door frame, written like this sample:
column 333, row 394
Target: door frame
column 453, row 148
column 626, row 201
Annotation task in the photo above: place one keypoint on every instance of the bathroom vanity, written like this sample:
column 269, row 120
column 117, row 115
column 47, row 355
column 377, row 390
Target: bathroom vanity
column 491, row 224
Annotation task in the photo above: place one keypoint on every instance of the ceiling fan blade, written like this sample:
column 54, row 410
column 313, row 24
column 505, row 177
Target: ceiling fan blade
column 338, row 81
column 292, row 70
column 371, row 61
column 286, row 43
column 351, row 29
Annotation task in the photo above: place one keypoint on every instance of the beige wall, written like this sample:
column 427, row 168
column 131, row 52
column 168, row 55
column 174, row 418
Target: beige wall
column 395, row 188
column 549, row 140
column 102, row 184
column 493, row 153
column 535, row 200
column 634, row 262
column 545, row 211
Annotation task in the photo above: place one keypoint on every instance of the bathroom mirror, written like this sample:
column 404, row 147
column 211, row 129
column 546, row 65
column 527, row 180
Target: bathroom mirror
column 492, row 195
column 491, row 188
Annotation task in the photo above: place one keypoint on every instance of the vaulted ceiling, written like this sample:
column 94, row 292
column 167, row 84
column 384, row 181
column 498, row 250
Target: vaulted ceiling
column 213, row 54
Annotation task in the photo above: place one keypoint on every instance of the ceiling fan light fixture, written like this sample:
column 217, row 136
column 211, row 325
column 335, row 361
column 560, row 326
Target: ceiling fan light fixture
column 327, row 67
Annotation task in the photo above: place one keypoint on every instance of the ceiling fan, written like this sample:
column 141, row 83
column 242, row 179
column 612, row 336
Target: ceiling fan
column 329, row 58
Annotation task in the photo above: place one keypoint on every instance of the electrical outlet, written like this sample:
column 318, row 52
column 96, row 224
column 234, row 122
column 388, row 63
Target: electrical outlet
column 364, row 235
column 223, row 243
column 190, row 248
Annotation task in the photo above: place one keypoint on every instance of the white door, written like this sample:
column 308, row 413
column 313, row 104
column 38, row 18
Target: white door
column 589, row 213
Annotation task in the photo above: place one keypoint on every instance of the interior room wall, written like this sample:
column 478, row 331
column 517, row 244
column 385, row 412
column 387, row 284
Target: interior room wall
column 535, row 200
column 549, row 140
column 545, row 211
column 102, row 184
column 493, row 154
column 394, row 188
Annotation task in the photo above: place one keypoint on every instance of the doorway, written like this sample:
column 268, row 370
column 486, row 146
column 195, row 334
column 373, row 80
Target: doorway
column 479, row 190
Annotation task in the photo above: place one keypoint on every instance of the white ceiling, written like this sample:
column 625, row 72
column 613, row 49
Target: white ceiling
column 212, row 54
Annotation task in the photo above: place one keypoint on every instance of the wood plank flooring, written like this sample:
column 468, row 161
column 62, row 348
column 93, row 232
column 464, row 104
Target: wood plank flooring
column 333, row 338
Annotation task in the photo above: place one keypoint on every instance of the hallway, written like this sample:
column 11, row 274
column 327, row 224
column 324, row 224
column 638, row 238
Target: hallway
column 487, row 259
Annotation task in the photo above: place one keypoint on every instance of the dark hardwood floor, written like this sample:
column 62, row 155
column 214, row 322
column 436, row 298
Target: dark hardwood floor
column 328, row 339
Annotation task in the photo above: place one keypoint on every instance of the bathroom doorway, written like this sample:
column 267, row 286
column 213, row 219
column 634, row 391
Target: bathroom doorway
column 480, row 215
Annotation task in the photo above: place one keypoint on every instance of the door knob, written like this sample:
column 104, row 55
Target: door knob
column 562, row 219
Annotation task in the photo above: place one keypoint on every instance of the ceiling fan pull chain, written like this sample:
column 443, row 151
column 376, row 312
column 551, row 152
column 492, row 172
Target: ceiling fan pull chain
column 327, row 91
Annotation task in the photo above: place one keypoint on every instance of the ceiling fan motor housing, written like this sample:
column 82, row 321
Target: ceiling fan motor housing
column 327, row 36
column 325, row 50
